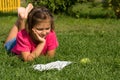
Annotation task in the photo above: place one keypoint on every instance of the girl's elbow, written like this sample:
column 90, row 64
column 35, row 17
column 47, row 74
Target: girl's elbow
column 28, row 58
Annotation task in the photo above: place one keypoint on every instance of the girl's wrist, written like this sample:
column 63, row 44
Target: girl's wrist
column 42, row 43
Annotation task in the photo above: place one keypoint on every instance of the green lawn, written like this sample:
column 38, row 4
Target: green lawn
column 96, row 39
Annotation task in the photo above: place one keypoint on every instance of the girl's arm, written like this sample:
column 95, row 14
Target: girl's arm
column 27, row 56
column 51, row 53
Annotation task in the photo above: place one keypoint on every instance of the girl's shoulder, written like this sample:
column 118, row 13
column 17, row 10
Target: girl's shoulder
column 23, row 33
column 52, row 32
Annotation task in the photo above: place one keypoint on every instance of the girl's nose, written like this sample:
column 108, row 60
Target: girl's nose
column 44, row 32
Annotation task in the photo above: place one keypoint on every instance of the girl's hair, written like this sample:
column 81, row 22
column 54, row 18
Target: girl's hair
column 36, row 16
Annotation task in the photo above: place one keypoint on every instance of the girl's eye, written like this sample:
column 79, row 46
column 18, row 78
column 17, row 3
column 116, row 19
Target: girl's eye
column 40, row 29
column 47, row 28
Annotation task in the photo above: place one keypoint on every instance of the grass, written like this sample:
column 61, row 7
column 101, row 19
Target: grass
column 96, row 39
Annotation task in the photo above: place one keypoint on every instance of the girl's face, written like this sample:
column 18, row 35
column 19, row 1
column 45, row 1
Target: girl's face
column 42, row 29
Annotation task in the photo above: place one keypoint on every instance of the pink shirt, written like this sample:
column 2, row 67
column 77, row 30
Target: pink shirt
column 25, row 44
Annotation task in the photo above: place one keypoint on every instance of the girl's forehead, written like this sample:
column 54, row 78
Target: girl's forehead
column 46, row 21
column 43, row 24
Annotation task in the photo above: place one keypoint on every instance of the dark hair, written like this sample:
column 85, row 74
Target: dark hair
column 37, row 15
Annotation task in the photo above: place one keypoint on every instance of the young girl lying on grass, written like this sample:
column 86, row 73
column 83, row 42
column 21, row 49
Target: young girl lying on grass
column 33, row 33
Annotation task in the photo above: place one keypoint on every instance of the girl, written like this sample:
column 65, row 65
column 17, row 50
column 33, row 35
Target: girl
column 36, row 37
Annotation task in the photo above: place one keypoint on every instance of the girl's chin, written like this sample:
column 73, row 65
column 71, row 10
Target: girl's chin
column 44, row 37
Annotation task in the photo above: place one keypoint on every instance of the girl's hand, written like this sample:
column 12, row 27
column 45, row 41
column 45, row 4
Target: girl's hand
column 37, row 36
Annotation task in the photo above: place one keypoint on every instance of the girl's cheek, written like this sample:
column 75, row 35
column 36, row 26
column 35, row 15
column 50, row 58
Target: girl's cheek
column 48, row 31
column 39, row 32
